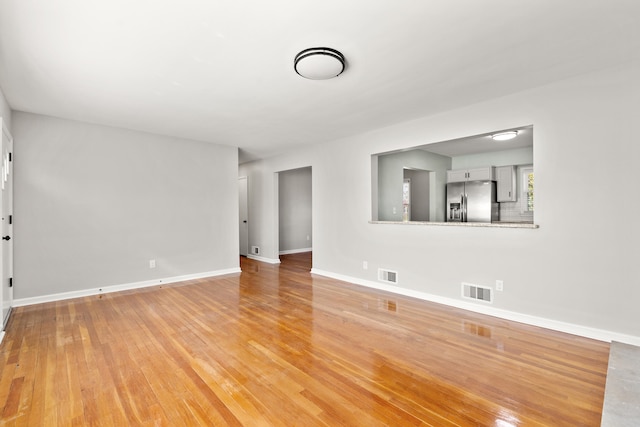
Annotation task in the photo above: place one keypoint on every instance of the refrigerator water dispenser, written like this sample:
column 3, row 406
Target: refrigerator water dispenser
column 455, row 212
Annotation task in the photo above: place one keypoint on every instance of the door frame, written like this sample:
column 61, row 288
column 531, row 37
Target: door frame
column 277, row 200
column 243, row 215
column 6, row 211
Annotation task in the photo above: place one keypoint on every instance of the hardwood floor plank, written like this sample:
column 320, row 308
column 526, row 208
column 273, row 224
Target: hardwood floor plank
column 13, row 399
column 277, row 346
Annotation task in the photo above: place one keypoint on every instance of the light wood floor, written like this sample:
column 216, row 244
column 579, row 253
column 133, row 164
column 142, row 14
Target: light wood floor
column 278, row 346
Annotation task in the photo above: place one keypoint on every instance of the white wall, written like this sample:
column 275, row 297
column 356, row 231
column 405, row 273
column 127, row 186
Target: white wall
column 579, row 267
column 94, row 204
column 5, row 111
column 294, row 195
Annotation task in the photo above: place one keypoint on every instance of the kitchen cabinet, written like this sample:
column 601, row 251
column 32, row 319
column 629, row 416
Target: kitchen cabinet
column 475, row 174
column 506, row 183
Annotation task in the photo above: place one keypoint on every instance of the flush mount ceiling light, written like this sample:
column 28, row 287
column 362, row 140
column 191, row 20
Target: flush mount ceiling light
column 319, row 63
column 505, row 136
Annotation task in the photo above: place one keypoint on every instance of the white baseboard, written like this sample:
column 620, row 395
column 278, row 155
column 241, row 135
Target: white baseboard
column 264, row 259
column 116, row 288
column 1, row 336
column 296, row 251
column 569, row 328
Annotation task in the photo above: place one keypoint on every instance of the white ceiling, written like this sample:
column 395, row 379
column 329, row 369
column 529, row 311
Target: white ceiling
column 222, row 70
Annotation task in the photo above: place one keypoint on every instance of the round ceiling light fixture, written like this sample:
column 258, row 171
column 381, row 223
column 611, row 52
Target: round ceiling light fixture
column 505, row 136
column 319, row 63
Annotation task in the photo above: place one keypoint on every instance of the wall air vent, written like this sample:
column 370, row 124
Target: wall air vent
column 478, row 293
column 255, row 250
column 388, row 276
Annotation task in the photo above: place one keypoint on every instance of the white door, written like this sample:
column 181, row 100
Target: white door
column 6, row 244
column 244, row 216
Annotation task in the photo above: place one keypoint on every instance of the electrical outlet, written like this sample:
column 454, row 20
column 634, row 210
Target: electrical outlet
column 152, row 263
column 308, row 238
column 499, row 285
column 365, row 265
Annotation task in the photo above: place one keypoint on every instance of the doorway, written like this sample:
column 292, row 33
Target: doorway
column 6, row 248
column 294, row 211
column 416, row 197
column 243, row 215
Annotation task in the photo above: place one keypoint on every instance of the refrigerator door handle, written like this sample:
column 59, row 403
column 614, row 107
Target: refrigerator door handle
column 463, row 208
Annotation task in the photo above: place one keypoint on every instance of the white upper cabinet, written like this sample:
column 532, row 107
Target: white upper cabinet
column 482, row 174
column 506, row 183
column 475, row 174
column 457, row 176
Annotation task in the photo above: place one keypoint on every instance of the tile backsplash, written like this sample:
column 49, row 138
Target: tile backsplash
column 512, row 212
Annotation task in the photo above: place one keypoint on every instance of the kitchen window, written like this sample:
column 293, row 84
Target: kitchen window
column 526, row 192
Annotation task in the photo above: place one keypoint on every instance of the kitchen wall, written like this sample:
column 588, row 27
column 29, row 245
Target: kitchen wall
column 578, row 270
column 294, row 207
column 390, row 176
column 516, row 156
column 94, row 204
column 419, row 194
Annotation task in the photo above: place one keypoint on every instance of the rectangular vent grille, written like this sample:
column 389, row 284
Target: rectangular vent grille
column 478, row 293
column 388, row 276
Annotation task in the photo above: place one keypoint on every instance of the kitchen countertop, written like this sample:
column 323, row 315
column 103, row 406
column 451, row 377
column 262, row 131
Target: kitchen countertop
column 497, row 224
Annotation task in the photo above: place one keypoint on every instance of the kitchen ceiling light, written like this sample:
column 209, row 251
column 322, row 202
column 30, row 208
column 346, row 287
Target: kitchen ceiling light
column 319, row 63
column 504, row 136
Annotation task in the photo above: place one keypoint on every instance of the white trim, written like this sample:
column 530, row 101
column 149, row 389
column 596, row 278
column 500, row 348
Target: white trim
column 296, row 251
column 264, row 259
column 2, row 334
column 570, row 328
column 123, row 287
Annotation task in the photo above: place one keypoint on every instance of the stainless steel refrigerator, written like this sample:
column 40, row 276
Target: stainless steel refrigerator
column 472, row 201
